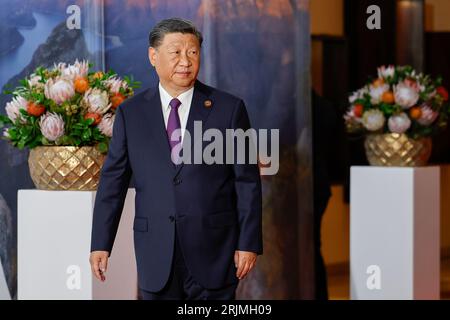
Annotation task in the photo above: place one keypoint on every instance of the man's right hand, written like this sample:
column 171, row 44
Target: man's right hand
column 99, row 263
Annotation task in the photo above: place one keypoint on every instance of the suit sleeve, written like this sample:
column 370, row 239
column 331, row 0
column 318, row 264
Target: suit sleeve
column 248, row 190
column 112, row 190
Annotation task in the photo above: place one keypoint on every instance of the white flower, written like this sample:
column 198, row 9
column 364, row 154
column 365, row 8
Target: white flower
column 97, row 101
column 358, row 95
column 76, row 70
column 52, row 126
column 114, row 84
column 349, row 116
column 35, row 81
column 106, row 125
column 428, row 115
column 351, row 120
column 59, row 89
column 6, row 133
column 385, row 73
column 405, row 95
column 376, row 92
column 13, row 108
column 399, row 123
column 373, row 120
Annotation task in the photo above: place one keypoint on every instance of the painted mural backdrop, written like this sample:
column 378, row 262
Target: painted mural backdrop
column 258, row 50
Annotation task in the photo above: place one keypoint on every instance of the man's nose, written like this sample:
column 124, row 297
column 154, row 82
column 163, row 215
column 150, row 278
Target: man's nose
column 184, row 60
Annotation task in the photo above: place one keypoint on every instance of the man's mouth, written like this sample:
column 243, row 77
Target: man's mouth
column 183, row 73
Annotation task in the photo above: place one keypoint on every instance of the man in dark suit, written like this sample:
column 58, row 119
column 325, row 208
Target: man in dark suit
column 197, row 227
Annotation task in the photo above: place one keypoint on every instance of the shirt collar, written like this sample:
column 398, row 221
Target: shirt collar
column 166, row 97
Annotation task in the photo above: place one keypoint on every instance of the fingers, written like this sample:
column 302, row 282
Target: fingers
column 103, row 264
column 96, row 268
column 236, row 259
column 245, row 263
column 245, row 269
column 99, row 263
column 240, row 268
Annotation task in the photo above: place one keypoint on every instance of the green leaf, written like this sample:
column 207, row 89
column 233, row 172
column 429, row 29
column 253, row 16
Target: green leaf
column 24, row 112
column 12, row 132
column 76, row 141
column 102, row 147
column 87, row 134
column 24, row 131
column 4, row 121
column 78, row 126
column 87, row 122
column 45, row 142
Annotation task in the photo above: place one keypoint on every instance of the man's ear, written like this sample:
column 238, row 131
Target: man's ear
column 152, row 55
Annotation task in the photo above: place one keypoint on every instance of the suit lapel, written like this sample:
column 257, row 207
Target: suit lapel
column 198, row 112
column 157, row 127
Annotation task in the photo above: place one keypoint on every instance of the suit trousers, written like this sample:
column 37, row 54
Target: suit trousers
column 182, row 286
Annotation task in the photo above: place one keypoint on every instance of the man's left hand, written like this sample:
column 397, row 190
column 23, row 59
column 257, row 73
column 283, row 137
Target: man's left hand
column 244, row 261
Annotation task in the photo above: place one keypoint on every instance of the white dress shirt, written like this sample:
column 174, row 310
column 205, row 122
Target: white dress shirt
column 183, row 110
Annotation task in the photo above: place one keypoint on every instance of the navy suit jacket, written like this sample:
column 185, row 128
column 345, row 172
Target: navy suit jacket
column 216, row 208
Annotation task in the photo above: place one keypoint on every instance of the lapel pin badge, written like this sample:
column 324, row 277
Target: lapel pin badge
column 208, row 103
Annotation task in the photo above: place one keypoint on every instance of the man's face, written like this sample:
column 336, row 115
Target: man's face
column 177, row 61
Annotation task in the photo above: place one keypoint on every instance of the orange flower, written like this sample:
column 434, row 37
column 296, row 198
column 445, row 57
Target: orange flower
column 415, row 113
column 81, row 85
column 90, row 115
column 117, row 99
column 98, row 75
column 35, row 109
column 388, row 97
column 378, row 82
column 358, row 110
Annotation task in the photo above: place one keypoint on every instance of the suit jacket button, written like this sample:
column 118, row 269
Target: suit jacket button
column 171, row 218
column 176, row 181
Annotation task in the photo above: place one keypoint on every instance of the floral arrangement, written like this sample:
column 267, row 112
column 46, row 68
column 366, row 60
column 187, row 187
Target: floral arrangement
column 400, row 100
column 67, row 105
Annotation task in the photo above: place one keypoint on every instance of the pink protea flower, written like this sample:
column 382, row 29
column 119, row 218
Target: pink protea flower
column 376, row 92
column 399, row 123
column 106, row 125
column 358, row 95
column 35, row 81
column 13, row 108
column 59, row 90
column 373, row 120
column 52, row 126
column 76, row 70
column 96, row 101
column 406, row 96
column 114, row 84
column 428, row 115
column 386, row 72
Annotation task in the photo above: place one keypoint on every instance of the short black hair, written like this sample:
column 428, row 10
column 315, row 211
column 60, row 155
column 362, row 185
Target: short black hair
column 172, row 25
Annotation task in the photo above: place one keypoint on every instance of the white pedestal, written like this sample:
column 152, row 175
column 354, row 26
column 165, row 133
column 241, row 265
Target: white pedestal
column 54, row 234
column 395, row 233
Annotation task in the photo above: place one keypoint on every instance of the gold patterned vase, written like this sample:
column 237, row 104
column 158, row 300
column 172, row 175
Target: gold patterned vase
column 65, row 168
column 397, row 150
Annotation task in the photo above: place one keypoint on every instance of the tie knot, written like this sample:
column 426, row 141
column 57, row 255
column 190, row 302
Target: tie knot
column 175, row 103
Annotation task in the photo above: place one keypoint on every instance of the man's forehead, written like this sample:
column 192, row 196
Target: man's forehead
column 179, row 39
